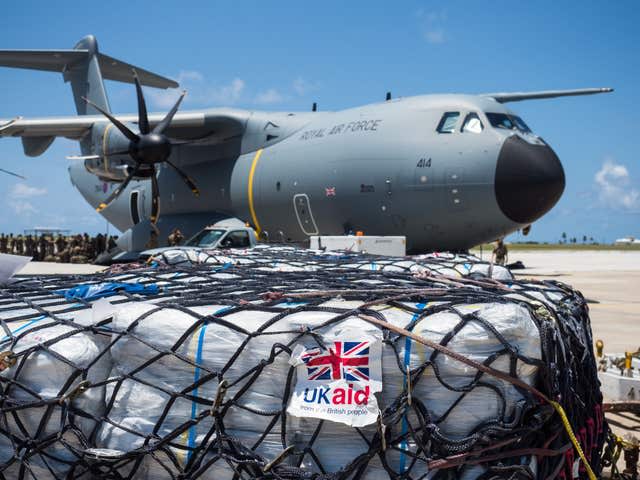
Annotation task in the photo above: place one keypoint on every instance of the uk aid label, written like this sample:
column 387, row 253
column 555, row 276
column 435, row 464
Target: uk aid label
column 338, row 382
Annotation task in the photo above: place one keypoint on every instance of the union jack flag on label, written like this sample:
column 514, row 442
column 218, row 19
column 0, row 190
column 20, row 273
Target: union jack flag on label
column 344, row 360
column 338, row 382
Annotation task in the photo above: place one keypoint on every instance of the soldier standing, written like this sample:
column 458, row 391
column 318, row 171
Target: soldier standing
column 176, row 238
column 111, row 243
column 19, row 243
column 29, row 246
column 89, row 249
column 500, row 253
column 50, row 247
column 10, row 243
column 42, row 248
column 60, row 243
column 3, row 243
column 100, row 243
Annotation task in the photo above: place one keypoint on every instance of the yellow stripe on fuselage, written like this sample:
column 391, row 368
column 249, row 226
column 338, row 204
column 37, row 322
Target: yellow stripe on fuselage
column 105, row 135
column 252, row 209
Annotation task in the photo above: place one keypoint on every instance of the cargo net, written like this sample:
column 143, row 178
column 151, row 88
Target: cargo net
column 184, row 373
column 291, row 259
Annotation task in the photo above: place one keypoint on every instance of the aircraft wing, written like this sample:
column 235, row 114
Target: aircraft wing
column 519, row 96
column 209, row 127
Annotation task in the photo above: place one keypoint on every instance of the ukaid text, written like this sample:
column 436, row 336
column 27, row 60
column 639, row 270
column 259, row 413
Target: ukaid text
column 338, row 382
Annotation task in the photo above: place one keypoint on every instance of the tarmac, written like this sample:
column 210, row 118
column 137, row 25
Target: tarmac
column 610, row 280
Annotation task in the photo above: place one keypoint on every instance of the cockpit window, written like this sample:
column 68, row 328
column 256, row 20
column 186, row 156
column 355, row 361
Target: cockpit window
column 500, row 120
column 507, row 122
column 520, row 124
column 448, row 122
column 472, row 124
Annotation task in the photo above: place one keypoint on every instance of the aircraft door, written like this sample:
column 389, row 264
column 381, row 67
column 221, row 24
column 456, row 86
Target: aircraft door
column 133, row 206
column 304, row 215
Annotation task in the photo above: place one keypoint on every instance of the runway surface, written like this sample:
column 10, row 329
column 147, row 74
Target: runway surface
column 611, row 278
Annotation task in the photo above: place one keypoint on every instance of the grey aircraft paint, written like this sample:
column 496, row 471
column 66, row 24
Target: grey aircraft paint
column 384, row 168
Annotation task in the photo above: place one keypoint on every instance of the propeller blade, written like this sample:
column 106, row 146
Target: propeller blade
column 11, row 173
column 190, row 183
column 143, row 118
column 155, row 198
column 117, row 191
column 162, row 126
column 119, row 125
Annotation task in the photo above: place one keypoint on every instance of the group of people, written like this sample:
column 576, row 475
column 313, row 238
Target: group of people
column 80, row 248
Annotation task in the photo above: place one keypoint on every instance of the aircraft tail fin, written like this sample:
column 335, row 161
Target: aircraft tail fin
column 85, row 68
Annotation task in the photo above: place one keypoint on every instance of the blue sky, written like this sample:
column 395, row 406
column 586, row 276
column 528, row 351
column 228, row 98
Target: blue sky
column 286, row 55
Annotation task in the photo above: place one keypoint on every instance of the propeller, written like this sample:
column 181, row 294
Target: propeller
column 147, row 149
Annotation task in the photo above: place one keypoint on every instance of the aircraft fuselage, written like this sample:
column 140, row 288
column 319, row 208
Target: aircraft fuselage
column 383, row 169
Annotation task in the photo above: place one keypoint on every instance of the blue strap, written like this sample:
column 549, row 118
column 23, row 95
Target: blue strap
column 100, row 290
column 407, row 362
column 191, row 442
column 22, row 327
column 224, row 267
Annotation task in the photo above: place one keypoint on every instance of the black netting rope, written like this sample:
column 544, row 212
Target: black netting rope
column 61, row 433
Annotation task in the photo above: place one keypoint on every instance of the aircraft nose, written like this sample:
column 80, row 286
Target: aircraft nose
column 529, row 180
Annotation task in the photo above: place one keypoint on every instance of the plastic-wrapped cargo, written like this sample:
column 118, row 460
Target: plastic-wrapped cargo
column 197, row 380
column 156, row 393
column 49, row 394
column 291, row 259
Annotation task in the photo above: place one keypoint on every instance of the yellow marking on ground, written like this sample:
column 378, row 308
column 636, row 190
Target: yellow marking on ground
column 252, row 210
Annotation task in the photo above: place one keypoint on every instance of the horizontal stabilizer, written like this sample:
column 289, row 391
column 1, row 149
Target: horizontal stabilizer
column 63, row 60
column 519, row 96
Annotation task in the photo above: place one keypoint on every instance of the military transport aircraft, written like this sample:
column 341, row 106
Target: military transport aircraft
column 447, row 171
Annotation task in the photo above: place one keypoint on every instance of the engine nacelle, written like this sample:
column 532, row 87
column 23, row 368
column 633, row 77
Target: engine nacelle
column 106, row 139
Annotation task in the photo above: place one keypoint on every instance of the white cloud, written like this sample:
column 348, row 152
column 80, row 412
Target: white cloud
column 269, row 97
column 22, row 207
column 22, row 190
column 198, row 91
column 202, row 93
column 189, row 75
column 614, row 186
column 229, row 93
column 302, row 86
column 435, row 36
column 432, row 26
